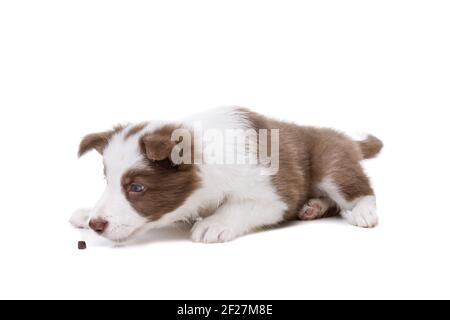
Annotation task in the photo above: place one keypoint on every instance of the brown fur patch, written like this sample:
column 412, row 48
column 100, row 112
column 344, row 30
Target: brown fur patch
column 167, row 186
column 308, row 155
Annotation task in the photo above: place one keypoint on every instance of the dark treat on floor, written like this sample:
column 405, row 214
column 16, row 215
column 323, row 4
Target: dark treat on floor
column 81, row 245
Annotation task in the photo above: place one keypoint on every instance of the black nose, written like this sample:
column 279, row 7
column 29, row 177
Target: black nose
column 98, row 225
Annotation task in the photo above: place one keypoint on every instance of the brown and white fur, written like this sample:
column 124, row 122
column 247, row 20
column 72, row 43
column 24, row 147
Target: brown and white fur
column 319, row 175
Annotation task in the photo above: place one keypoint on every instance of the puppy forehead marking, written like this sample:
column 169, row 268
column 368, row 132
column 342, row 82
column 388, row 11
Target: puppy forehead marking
column 123, row 151
column 135, row 129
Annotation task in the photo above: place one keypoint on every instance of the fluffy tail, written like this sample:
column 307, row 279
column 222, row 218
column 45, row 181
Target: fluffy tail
column 370, row 147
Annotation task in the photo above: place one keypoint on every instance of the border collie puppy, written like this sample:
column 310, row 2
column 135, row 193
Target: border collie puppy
column 228, row 171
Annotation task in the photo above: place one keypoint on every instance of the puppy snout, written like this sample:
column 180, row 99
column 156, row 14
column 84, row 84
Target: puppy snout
column 98, row 225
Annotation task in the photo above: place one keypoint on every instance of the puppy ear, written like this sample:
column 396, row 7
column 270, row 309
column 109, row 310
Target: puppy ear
column 157, row 146
column 97, row 141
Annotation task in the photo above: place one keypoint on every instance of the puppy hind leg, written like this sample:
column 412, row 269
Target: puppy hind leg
column 350, row 188
column 317, row 208
column 364, row 213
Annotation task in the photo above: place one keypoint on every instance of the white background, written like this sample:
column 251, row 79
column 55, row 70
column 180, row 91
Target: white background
column 68, row 68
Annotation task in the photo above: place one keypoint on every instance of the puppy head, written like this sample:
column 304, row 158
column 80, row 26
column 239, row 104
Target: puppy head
column 144, row 186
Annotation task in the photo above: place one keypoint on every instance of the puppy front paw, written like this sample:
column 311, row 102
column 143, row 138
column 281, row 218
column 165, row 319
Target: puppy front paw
column 211, row 232
column 80, row 219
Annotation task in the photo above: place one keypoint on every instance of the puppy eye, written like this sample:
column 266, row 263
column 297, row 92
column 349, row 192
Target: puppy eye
column 136, row 188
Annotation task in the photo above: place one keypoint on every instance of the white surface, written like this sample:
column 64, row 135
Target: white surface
column 71, row 68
